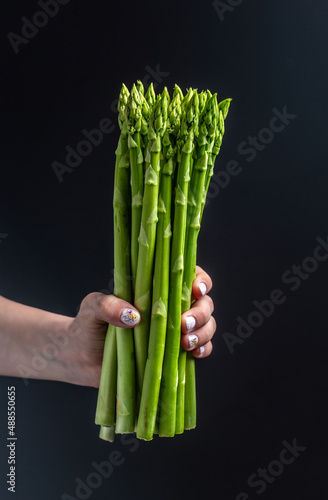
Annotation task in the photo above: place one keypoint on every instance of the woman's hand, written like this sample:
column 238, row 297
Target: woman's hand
column 198, row 325
column 83, row 356
column 47, row 346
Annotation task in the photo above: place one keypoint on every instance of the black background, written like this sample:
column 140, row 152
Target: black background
column 58, row 246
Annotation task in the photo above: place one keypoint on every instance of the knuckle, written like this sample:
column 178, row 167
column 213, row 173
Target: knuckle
column 88, row 300
column 210, row 303
column 214, row 324
column 202, row 316
column 184, row 342
column 210, row 282
column 105, row 303
column 98, row 303
column 210, row 328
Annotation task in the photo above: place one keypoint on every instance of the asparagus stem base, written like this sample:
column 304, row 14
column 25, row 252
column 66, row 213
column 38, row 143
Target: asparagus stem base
column 107, row 433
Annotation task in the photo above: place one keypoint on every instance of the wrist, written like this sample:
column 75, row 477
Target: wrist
column 31, row 341
column 48, row 348
column 42, row 350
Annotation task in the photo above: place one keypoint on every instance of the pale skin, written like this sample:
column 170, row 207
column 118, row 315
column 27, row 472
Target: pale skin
column 43, row 345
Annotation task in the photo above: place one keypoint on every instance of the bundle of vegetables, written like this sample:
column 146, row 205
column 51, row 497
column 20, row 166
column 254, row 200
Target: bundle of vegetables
column 164, row 162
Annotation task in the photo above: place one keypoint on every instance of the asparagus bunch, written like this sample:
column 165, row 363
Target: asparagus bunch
column 164, row 163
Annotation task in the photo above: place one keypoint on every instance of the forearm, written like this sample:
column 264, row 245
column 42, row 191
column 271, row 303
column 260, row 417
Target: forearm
column 27, row 348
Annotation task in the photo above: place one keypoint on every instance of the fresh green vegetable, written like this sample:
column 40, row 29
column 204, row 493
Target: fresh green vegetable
column 133, row 117
column 164, row 163
column 106, row 404
column 147, row 235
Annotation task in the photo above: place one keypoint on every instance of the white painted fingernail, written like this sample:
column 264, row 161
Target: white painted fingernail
column 193, row 341
column 130, row 317
column 201, row 350
column 190, row 322
column 203, row 289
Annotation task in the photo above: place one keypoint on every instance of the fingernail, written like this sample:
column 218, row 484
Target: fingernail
column 130, row 317
column 203, row 289
column 190, row 322
column 193, row 341
column 201, row 350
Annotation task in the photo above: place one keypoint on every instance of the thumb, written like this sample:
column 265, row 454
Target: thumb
column 109, row 309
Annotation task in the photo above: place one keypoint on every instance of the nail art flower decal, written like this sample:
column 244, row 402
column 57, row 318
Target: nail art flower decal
column 130, row 317
column 193, row 341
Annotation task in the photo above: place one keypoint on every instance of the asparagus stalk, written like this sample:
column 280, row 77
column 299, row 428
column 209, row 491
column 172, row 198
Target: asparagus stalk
column 153, row 370
column 106, row 407
column 140, row 87
column 170, row 366
column 177, row 90
column 203, row 97
column 145, row 113
column 107, row 433
column 224, row 107
column 125, row 408
column 133, row 116
column 223, row 112
column 190, row 407
column 147, row 236
column 106, row 403
column 150, row 96
column 147, row 105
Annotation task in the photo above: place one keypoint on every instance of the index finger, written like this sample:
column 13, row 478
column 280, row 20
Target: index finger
column 202, row 284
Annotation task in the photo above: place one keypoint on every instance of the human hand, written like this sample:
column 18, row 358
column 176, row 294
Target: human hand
column 83, row 357
column 198, row 325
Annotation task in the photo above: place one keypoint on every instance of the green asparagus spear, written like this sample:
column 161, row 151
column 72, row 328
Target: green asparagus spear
column 168, row 393
column 145, row 113
column 140, row 87
column 147, row 236
column 150, row 96
column 106, row 403
column 125, row 408
column 133, row 116
column 223, row 112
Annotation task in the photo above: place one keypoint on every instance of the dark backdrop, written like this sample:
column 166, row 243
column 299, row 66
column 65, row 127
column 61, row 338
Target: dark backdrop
column 262, row 390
